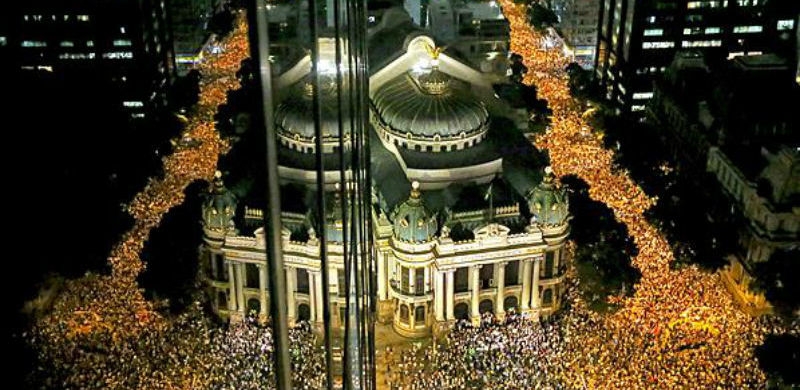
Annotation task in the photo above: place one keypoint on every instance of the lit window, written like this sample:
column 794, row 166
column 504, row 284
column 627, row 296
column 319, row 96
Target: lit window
column 713, row 30
column 658, row 45
column 787, row 24
column 747, row 29
column 651, row 19
column 133, row 103
column 67, row 44
column 34, row 44
column 642, row 95
column 703, row 4
column 76, row 56
column 122, row 30
column 735, row 54
column 83, row 18
column 3, row 41
column 118, row 55
column 712, row 43
column 653, row 32
column 122, row 42
column 637, row 107
column 137, row 115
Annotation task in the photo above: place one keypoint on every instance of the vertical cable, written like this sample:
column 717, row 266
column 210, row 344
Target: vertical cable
column 321, row 213
column 344, row 193
column 259, row 46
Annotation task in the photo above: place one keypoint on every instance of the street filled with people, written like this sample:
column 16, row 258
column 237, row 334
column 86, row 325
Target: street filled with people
column 680, row 329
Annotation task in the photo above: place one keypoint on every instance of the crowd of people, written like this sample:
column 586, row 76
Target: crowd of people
column 514, row 353
column 192, row 352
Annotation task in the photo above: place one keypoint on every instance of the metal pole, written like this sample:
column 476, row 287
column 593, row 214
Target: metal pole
column 322, row 225
column 259, row 47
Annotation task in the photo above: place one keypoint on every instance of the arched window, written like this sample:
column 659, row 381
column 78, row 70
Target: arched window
column 253, row 306
column 461, row 311
column 510, row 303
column 419, row 315
column 222, row 300
column 303, row 312
column 486, row 306
column 547, row 298
column 404, row 314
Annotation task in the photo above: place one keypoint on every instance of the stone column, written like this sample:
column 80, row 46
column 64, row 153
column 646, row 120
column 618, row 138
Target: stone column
column 526, row 284
column 426, row 279
column 438, row 295
column 476, row 277
column 382, row 276
column 556, row 261
column 537, row 264
column 240, row 274
column 212, row 257
column 291, row 279
column 232, row 305
column 312, row 296
column 262, row 286
column 318, row 292
column 451, row 300
column 500, row 282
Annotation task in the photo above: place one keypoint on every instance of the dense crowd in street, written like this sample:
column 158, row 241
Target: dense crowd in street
column 511, row 354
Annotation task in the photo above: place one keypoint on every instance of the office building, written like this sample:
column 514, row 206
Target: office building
column 638, row 39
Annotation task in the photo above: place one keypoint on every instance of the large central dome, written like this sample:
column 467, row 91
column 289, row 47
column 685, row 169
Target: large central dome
column 428, row 105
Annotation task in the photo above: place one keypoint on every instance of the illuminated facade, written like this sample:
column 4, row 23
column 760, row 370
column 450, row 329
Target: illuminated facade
column 458, row 230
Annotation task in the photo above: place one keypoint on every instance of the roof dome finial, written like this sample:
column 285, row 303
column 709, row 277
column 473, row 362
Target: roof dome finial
column 415, row 190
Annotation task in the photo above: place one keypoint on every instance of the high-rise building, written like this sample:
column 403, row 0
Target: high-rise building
column 638, row 38
column 577, row 22
column 123, row 48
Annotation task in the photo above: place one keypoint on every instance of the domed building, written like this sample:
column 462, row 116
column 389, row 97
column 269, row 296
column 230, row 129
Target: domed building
column 461, row 227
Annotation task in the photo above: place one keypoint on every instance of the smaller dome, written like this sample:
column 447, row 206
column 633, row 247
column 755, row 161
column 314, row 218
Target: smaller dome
column 413, row 222
column 548, row 204
column 294, row 116
column 219, row 208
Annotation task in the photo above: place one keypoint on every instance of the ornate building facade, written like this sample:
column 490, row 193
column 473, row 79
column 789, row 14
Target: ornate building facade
column 458, row 229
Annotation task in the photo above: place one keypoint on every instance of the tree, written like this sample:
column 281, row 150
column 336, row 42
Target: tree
column 779, row 357
column 777, row 278
column 171, row 253
column 604, row 248
column 518, row 68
